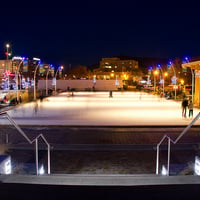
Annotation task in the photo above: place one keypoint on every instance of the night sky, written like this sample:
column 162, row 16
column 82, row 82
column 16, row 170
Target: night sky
column 82, row 32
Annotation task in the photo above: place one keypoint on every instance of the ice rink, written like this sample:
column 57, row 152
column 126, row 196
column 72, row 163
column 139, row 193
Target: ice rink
column 98, row 109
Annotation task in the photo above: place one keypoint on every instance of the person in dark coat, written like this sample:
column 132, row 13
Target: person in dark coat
column 184, row 107
column 190, row 108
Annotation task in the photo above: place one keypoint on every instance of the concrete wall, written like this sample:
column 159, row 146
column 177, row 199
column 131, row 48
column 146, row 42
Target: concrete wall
column 80, row 84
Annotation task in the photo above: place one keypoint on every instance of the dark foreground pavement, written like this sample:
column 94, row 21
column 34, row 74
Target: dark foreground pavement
column 99, row 187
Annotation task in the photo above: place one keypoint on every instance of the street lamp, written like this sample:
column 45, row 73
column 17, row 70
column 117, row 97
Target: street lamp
column 165, row 75
column 7, row 46
column 187, row 60
column 155, row 74
column 159, row 67
column 47, row 81
column 35, row 80
column 171, row 65
column 17, row 74
column 56, row 75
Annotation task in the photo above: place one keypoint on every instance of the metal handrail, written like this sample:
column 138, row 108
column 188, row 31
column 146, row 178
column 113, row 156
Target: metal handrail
column 5, row 114
column 174, row 142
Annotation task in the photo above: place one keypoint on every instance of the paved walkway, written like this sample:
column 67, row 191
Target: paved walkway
column 97, row 109
column 102, row 180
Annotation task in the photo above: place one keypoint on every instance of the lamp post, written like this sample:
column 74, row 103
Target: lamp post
column 35, row 81
column 192, row 72
column 7, row 46
column 165, row 75
column 17, row 73
column 56, row 76
column 171, row 65
column 155, row 73
column 47, row 81
column 159, row 67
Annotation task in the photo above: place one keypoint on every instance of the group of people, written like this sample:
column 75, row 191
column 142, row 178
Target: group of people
column 187, row 104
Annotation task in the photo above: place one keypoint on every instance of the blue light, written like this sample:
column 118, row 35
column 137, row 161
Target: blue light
column 150, row 68
column 186, row 59
column 170, row 62
column 158, row 66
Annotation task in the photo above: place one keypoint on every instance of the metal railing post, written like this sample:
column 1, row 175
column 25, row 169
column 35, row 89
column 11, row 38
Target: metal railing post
column 157, row 160
column 174, row 142
column 36, row 156
column 5, row 114
column 168, row 160
column 49, row 170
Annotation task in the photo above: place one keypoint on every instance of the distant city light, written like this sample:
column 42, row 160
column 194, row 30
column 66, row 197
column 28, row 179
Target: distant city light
column 37, row 59
column 17, row 58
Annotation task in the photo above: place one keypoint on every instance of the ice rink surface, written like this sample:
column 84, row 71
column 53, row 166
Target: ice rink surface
column 98, row 109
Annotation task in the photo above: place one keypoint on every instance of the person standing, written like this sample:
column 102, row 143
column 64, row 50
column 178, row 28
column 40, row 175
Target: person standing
column 184, row 107
column 190, row 108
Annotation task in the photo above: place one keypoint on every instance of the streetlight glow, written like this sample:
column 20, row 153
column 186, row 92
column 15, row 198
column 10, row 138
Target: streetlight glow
column 156, row 72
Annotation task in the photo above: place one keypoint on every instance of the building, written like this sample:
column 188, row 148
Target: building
column 25, row 68
column 5, row 73
column 115, row 68
column 195, row 68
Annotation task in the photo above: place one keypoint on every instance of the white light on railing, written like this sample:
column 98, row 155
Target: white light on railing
column 197, row 166
column 41, row 170
column 164, row 171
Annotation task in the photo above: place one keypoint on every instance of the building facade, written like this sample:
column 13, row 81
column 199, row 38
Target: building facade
column 195, row 66
column 25, row 69
column 115, row 68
